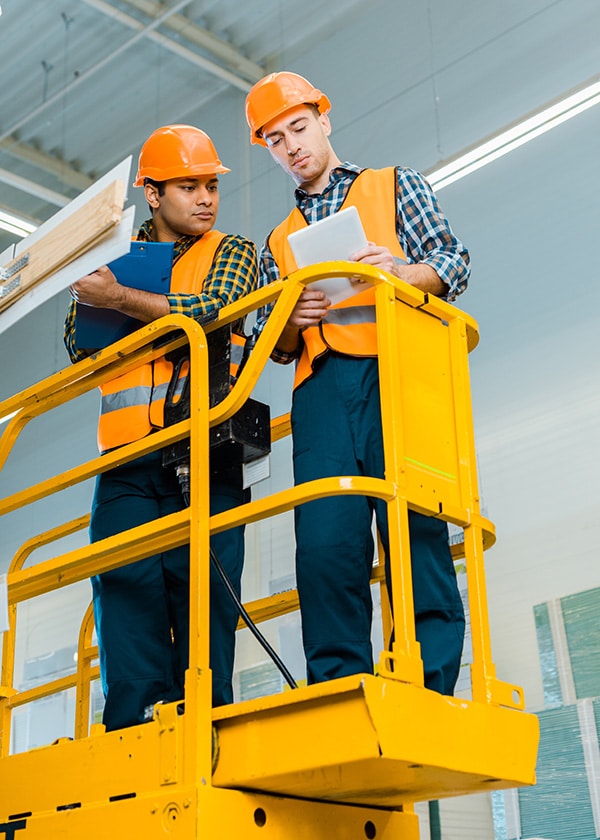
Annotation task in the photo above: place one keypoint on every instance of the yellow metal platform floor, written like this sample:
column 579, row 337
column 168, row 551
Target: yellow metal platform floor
column 373, row 743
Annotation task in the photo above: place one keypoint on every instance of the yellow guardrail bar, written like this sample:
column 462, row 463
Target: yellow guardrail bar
column 423, row 360
column 138, row 348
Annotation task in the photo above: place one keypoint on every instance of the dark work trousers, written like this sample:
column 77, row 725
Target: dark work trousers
column 336, row 428
column 142, row 610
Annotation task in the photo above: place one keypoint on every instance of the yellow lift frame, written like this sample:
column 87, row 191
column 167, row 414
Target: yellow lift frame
column 343, row 759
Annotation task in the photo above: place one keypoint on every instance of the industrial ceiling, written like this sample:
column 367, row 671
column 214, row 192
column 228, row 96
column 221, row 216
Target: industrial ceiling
column 85, row 81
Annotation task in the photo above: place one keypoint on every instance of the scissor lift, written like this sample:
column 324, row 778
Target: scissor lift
column 343, row 759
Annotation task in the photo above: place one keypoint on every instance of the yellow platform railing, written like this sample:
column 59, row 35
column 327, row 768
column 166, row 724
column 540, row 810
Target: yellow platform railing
column 461, row 508
column 430, row 467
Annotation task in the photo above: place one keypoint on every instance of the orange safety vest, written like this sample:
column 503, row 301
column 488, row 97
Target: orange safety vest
column 133, row 404
column 349, row 326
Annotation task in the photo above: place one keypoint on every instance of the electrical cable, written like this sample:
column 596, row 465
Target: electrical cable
column 183, row 476
column 178, row 395
column 250, row 623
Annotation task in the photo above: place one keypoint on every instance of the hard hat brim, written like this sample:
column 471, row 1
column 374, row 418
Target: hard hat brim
column 189, row 172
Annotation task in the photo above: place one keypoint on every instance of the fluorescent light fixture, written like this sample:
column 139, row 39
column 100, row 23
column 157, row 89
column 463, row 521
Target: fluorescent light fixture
column 15, row 225
column 516, row 135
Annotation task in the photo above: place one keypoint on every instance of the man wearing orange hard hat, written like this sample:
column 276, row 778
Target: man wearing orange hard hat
column 336, row 415
column 142, row 610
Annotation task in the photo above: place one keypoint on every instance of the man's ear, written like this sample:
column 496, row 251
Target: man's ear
column 152, row 195
column 324, row 120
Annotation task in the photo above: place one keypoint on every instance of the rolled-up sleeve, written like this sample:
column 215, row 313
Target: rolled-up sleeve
column 234, row 273
column 268, row 271
column 425, row 233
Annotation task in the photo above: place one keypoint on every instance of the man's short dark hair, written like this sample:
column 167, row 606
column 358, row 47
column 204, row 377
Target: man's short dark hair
column 160, row 185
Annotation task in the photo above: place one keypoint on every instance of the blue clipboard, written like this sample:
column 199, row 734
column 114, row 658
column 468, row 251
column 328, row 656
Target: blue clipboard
column 147, row 266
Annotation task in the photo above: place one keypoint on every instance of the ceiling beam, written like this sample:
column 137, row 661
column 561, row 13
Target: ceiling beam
column 30, row 187
column 202, row 37
column 178, row 23
column 60, row 169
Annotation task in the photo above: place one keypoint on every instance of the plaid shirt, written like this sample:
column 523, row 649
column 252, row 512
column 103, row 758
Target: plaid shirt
column 233, row 274
column 423, row 232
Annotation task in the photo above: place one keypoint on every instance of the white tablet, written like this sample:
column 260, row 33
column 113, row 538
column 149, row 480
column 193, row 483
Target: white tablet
column 335, row 238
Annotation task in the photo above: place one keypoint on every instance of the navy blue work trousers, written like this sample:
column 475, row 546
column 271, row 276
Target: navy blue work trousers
column 142, row 610
column 336, row 428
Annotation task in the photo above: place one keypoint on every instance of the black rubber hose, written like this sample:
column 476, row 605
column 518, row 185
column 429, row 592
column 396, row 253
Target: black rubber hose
column 244, row 614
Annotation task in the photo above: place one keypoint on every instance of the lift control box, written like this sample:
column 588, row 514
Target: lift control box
column 244, row 437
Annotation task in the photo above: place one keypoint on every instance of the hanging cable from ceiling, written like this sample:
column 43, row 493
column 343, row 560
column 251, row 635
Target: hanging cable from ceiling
column 63, row 127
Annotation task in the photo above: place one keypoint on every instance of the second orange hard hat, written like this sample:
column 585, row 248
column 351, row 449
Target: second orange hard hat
column 276, row 94
column 177, row 151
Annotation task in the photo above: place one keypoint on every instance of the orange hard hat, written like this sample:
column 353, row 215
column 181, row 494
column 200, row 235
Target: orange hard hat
column 177, row 151
column 276, row 94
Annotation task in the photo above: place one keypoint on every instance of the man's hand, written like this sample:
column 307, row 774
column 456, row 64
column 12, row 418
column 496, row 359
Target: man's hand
column 419, row 275
column 309, row 311
column 100, row 289
column 377, row 255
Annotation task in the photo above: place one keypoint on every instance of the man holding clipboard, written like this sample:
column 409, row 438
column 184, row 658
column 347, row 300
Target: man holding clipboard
column 142, row 610
column 147, row 266
column 336, row 416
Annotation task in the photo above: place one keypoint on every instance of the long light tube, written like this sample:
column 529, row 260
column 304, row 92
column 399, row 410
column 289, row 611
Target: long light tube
column 516, row 135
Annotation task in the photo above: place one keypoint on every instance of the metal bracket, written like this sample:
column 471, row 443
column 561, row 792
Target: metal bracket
column 167, row 716
column 7, row 288
column 17, row 265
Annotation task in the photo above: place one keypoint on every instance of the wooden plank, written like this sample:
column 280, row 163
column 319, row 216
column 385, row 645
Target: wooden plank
column 72, row 237
column 112, row 245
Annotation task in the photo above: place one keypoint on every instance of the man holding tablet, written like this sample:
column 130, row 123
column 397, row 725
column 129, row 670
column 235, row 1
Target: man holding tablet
column 336, row 415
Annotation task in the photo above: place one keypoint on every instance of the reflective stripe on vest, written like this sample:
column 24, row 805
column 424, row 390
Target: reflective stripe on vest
column 349, row 327
column 126, row 398
column 350, row 315
column 133, row 404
